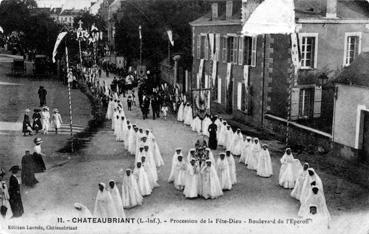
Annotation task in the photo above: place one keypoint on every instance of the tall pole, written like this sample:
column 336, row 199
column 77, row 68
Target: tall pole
column 80, row 51
column 140, row 34
column 79, row 40
column 69, row 96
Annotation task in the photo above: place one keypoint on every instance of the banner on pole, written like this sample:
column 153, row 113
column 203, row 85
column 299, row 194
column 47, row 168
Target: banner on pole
column 229, row 70
column 214, row 72
column 295, row 51
column 170, row 37
column 246, row 75
column 57, row 43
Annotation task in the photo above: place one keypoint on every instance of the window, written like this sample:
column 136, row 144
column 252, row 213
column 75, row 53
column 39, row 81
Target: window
column 247, row 51
column 202, row 46
column 232, row 48
column 306, row 102
column 219, row 89
column 308, row 48
column 352, row 47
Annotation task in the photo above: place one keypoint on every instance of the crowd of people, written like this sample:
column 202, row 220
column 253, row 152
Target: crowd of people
column 200, row 172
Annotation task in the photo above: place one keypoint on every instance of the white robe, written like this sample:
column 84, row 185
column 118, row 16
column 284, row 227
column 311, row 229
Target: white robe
column 289, row 171
column 56, row 120
column 296, row 192
column 188, row 117
column 150, row 159
column 253, row 159
column 185, row 110
column 180, row 112
column 142, row 181
column 306, row 188
column 132, row 141
column 264, row 167
column 131, row 195
column 173, row 171
column 232, row 168
column 4, row 193
column 104, row 205
column 180, row 178
column 156, row 151
column 236, row 146
column 150, row 174
column 45, row 121
column 211, row 187
column 224, row 174
column 229, row 138
column 219, row 125
column 222, row 135
column 245, row 152
column 192, row 181
column 205, row 126
column 196, row 125
column 117, row 201
column 109, row 111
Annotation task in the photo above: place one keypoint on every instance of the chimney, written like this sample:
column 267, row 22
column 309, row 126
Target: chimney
column 214, row 11
column 331, row 9
column 229, row 9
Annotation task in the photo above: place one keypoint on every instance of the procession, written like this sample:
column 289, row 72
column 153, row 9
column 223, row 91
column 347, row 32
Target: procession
column 162, row 117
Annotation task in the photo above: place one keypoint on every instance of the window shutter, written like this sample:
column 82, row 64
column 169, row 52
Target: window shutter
column 224, row 52
column 219, row 90
column 295, row 95
column 253, row 51
column 217, row 47
column 198, row 46
column 235, row 50
column 317, row 101
column 206, row 47
column 239, row 95
column 240, row 50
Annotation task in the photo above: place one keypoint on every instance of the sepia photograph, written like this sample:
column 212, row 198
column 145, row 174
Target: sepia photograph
column 184, row 116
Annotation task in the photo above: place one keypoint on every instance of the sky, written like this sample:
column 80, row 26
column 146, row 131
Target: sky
column 68, row 4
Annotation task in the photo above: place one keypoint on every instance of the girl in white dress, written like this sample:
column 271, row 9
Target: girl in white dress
column 264, row 168
column 246, row 150
column 180, row 112
column 110, row 109
column 224, row 172
column 210, row 182
column 290, row 170
column 150, row 174
column 296, row 192
column 232, row 166
column 237, row 143
column 312, row 180
column 229, row 137
column 116, row 199
column 252, row 161
column 196, row 125
column 205, row 125
column 45, row 119
column 181, row 168
column 191, row 189
column 142, row 180
column 173, row 171
column 56, row 120
column 104, row 207
column 131, row 195
column 222, row 134
column 188, row 117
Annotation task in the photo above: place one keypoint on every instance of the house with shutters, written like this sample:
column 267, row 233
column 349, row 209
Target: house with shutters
column 249, row 76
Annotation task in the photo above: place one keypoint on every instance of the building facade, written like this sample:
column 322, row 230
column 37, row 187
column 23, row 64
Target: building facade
column 249, row 76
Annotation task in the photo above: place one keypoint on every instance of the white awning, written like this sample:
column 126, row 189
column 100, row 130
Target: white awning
column 271, row 17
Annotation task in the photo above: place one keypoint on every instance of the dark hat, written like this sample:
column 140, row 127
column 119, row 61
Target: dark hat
column 15, row 169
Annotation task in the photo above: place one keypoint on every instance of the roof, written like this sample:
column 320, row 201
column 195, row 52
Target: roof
column 357, row 73
column 304, row 9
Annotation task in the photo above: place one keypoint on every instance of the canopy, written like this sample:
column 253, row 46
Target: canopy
column 271, row 17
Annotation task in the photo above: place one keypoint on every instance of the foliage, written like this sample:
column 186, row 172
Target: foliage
column 38, row 31
column 156, row 17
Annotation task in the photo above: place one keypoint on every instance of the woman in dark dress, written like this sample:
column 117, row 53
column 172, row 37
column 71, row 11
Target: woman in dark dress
column 213, row 135
column 15, row 198
column 28, row 170
column 27, row 124
column 37, row 125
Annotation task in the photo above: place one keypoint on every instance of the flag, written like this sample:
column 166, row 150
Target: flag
column 1, row 30
column 139, row 32
column 271, row 17
column 57, row 43
column 170, row 37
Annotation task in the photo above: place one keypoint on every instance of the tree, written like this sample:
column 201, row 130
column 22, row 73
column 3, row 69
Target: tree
column 156, row 17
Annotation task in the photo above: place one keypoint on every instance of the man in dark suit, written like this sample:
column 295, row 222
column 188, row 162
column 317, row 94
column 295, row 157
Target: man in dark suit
column 28, row 170
column 42, row 95
column 15, row 199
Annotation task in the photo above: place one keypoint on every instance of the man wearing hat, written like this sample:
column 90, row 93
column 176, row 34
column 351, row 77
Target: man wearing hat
column 27, row 174
column 15, row 199
column 42, row 95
